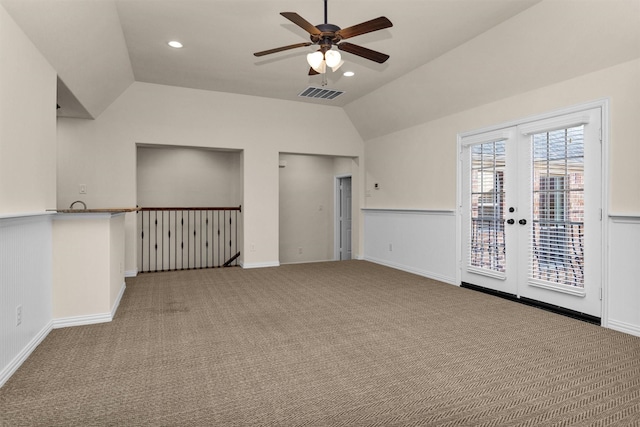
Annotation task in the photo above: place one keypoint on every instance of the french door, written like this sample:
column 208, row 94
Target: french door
column 531, row 211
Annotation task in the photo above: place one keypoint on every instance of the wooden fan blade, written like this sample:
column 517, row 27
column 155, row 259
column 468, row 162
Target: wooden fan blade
column 301, row 22
column 312, row 72
column 363, row 52
column 280, row 49
column 366, row 27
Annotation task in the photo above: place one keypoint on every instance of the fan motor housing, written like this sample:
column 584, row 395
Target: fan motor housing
column 327, row 33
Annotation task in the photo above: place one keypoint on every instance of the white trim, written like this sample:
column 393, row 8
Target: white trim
column 10, row 221
column 419, row 272
column 25, row 215
column 116, row 303
column 131, row 273
column 599, row 103
column 90, row 319
column 604, row 200
column 625, row 218
column 557, row 288
column 260, row 264
column 410, row 211
column 492, row 136
column 484, row 272
column 554, row 123
column 309, row 262
column 24, row 354
column 627, row 328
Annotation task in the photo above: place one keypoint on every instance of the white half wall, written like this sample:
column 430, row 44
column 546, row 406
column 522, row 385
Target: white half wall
column 418, row 241
column 25, row 286
column 623, row 299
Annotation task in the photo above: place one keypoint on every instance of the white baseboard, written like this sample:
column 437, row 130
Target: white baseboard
column 308, row 262
column 427, row 274
column 13, row 366
column 116, row 303
column 260, row 264
column 90, row 319
column 627, row 328
column 131, row 273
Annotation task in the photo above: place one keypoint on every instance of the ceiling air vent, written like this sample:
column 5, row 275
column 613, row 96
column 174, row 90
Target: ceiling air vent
column 319, row 93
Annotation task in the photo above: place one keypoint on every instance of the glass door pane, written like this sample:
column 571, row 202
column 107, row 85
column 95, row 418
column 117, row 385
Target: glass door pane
column 557, row 232
column 487, row 249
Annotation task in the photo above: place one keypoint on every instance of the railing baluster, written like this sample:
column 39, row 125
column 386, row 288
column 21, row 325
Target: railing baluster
column 141, row 240
column 199, row 253
column 182, row 242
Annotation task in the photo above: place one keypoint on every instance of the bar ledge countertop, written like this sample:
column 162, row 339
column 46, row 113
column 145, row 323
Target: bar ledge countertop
column 100, row 210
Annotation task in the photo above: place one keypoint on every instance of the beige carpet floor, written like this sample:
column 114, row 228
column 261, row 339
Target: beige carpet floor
column 324, row 344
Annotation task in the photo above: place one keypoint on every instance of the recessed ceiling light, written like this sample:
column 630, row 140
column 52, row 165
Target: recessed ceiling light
column 175, row 44
column 349, row 74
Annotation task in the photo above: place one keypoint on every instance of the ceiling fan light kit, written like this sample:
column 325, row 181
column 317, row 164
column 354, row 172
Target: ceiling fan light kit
column 328, row 35
column 319, row 62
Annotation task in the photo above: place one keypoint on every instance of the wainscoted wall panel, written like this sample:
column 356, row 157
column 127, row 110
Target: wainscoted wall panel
column 623, row 299
column 25, row 286
column 417, row 241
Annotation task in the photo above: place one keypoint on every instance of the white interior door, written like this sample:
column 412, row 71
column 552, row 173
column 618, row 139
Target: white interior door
column 531, row 211
column 344, row 218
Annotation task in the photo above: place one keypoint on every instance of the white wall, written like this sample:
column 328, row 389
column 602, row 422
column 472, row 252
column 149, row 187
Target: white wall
column 27, row 184
column 27, row 123
column 425, row 156
column 188, row 177
column 307, row 206
column 102, row 153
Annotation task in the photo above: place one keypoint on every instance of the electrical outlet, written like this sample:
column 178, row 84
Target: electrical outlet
column 18, row 315
column 390, row 247
column 82, row 188
column 300, row 251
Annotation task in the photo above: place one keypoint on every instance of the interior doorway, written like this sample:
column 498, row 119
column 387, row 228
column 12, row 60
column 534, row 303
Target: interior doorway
column 343, row 218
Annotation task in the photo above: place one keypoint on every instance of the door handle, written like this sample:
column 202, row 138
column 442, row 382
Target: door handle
column 522, row 222
column 511, row 221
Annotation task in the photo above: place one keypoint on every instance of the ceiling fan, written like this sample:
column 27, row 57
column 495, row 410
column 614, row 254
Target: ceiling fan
column 327, row 35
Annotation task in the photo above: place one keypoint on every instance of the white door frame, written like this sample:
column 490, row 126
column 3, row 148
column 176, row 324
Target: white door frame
column 336, row 214
column 603, row 104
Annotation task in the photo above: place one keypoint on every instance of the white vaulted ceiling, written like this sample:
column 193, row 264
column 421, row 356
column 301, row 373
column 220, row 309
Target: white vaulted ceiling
column 445, row 55
column 99, row 47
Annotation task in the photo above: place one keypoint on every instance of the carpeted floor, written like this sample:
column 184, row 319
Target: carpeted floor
column 325, row 344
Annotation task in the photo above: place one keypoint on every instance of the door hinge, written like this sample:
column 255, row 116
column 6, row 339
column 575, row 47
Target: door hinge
column 601, row 214
column 600, row 294
column 600, row 135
